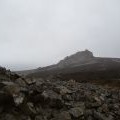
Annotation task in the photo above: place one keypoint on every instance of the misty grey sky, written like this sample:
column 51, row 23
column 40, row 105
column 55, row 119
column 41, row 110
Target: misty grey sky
column 36, row 33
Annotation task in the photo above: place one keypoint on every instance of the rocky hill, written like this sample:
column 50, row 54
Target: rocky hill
column 83, row 67
column 78, row 58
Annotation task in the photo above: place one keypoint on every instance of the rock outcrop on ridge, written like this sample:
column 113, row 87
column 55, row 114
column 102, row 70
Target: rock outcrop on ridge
column 82, row 66
column 55, row 99
column 78, row 58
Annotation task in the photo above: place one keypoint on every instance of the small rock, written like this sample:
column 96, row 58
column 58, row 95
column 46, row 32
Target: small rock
column 51, row 98
column 76, row 112
column 71, row 82
column 30, row 81
column 8, row 117
column 100, row 116
column 39, row 117
column 62, row 90
column 20, row 82
column 63, row 116
column 28, row 109
column 18, row 99
column 104, row 108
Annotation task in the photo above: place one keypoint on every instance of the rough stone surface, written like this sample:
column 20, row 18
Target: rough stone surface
column 55, row 99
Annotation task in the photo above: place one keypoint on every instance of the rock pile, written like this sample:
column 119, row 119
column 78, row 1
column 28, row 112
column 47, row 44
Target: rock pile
column 27, row 99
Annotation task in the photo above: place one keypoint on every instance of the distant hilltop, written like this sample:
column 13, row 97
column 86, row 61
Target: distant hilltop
column 82, row 65
column 77, row 58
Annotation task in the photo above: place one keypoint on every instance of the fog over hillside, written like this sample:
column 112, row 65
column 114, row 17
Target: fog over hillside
column 37, row 33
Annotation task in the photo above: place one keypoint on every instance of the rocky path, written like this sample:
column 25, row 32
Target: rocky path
column 25, row 99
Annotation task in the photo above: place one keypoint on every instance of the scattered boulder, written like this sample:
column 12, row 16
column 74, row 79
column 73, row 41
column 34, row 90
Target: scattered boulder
column 30, row 81
column 76, row 112
column 62, row 90
column 51, row 98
